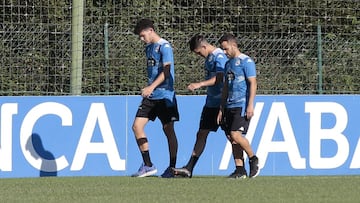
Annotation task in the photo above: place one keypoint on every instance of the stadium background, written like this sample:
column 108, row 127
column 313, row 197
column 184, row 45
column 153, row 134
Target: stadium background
column 300, row 46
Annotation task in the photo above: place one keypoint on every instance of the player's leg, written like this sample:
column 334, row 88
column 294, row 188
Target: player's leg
column 168, row 114
column 172, row 142
column 198, row 149
column 147, row 168
column 238, row 155
column 142, row 117
column 201, row 137
column 172, row 146
column 207, row 123
column 238, row 125
column 244, row 143
column 140, row 136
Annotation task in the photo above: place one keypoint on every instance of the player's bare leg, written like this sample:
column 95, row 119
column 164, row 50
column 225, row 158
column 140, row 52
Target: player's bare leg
column 244, row 143
column 169, row 131
column 138, row 129
column 146, row 168
column 200, row 142
column 238, row 154
column 198, row 149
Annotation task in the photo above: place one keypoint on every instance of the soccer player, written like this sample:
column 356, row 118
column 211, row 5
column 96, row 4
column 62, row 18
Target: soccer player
column 237, row 105
column 158, row 97
column 215, row 60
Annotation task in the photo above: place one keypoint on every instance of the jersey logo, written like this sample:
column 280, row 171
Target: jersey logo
column 237, row 62
column 230, row 76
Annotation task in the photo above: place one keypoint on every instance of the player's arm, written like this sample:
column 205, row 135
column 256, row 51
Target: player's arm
column 252, row 92
column 146, row 92
column 220, row 68
column 217, row 79
column 224, row 97
column 250, row 75
column 205, row 83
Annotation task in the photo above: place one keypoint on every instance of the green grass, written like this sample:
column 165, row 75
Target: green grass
column 198, row 189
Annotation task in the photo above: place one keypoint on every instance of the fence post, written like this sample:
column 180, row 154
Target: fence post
column 319, row 57
column 106, row 53
column 76, row 46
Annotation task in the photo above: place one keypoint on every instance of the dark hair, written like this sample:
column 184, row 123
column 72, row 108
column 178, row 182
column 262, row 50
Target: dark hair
column 227, row 37
column 142, row 25
column 196, row 41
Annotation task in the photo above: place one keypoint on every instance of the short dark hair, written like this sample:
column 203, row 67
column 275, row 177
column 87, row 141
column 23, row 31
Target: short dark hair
column 228, row 38
column 142, row 25
column 196, row 41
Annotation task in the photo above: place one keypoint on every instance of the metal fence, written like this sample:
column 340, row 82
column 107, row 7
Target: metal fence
column 300, row 47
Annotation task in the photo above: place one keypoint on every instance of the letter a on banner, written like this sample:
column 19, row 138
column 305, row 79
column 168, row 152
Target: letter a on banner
column 355, row 163
column 278, row 112
column 97, row 113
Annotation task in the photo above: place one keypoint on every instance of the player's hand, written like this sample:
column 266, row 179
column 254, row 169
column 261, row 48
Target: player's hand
column 219, row 117
column 249, row 112
column 194, row 86
column 146, row 91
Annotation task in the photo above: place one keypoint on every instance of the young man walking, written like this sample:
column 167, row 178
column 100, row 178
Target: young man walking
column 215, row 60
column 237, row 106
column 158, row 98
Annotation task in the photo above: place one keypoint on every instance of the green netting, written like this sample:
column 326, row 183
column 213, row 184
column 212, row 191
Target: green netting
column 281, row 36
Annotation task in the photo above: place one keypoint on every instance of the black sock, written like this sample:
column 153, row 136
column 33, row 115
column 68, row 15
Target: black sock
column 240, row 169
column 251, row 158
column 192, row 162
column 172, row 162
column 146, row 158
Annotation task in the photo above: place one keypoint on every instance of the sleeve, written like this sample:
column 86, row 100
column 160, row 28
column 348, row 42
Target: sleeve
column 220, row 62
column 167, row 54
column 250, row 68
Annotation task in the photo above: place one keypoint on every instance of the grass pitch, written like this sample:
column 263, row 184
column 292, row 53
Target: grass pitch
column 198, row 189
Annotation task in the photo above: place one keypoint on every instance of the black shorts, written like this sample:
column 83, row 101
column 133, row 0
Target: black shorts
column 164, row 109
column 208, row 119
column 233, row 121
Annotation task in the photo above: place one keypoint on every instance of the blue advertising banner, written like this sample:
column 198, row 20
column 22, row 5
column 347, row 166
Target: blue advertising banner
column 92, row 136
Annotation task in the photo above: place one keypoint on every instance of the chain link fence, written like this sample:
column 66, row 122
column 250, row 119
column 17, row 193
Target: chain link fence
column 300, row 47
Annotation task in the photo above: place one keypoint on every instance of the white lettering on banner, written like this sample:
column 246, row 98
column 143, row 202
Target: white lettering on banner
column 250, row 135
column 356, row 158
column 317, row 134
column 97, row 113
column 7, row 112
column 278, row 112
column 278, row 115
column 27, row 129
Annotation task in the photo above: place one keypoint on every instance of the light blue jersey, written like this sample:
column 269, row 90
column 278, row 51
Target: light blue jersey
column 237, row 71
column 214, row 63
column 157, row 54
